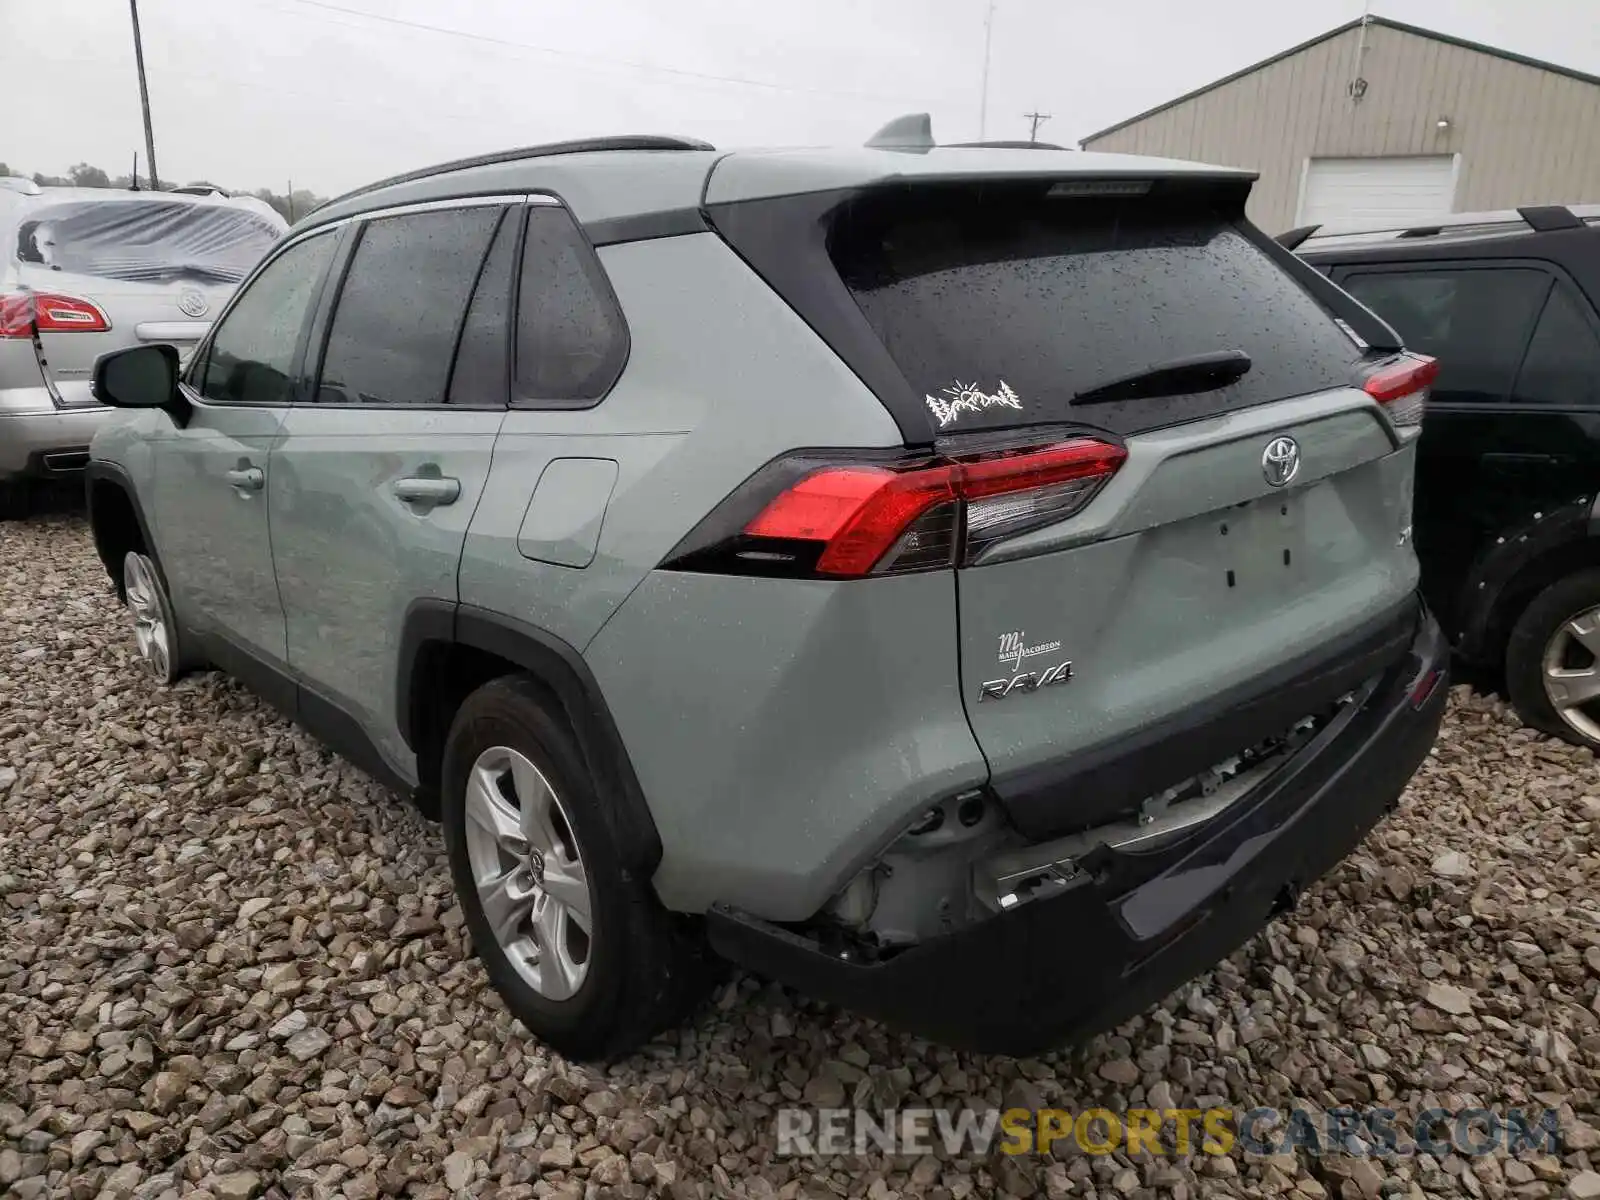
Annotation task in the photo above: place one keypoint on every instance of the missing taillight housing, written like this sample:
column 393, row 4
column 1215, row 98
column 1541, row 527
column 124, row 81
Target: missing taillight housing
column 846, row 521
column 21, row 313
column 1402, row 387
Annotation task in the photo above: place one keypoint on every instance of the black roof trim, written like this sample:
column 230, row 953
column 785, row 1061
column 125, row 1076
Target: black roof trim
column 1546, row 218
column 1005, row 145
column 1291, row 239
column 547, row 150
column 1387, row 23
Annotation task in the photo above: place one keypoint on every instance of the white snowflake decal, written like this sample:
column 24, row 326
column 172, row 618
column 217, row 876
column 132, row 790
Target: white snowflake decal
column 969, row 397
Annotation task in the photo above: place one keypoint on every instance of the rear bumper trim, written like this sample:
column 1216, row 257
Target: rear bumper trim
column 1132, row 927
column 1098, row 786
column 28, row 439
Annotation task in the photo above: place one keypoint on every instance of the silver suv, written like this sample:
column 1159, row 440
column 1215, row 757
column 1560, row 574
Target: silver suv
column 970, row 584
column 87, row 270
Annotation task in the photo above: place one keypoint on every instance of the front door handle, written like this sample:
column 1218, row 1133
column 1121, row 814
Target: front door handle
column 428, row 489
column 247, row 479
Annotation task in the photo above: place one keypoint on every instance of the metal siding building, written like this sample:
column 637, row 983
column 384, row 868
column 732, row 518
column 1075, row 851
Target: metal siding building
column 1518, row 131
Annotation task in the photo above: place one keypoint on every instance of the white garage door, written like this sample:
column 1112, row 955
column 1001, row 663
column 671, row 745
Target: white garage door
column 1342, row 192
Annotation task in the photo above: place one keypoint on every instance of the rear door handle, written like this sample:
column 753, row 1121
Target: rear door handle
column 247, row 479
column 428, row 489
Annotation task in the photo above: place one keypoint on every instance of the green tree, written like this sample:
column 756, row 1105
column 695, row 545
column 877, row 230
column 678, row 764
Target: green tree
column 83, row 175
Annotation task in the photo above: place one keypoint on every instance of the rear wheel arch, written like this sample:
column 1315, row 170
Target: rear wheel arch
column 1509, row 574
column 448, row 651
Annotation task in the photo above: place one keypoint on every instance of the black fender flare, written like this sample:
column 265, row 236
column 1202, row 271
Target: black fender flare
column 101, row 471
column 560, row 668
column 1497, row 567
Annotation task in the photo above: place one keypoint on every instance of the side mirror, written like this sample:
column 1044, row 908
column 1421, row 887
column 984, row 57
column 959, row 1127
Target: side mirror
column 138, row 377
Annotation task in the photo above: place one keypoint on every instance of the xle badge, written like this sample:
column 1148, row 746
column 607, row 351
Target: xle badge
column 1014, row 651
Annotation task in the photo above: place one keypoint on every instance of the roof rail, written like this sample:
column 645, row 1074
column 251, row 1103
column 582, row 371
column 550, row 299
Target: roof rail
column 1011, row 145
column 547, row 150
column 1538, row 218
column 1545, row 218
column 18, row 183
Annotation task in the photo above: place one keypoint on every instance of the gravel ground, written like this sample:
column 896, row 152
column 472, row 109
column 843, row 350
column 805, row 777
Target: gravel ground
column 231, row 966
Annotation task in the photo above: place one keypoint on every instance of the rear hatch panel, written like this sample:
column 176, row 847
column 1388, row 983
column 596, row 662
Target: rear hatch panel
column 1188, row 578
column 994, row 307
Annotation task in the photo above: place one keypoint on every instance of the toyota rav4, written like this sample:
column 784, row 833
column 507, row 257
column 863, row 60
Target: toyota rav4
column 972, row 584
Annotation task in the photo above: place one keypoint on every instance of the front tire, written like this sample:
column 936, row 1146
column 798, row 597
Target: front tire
column 1553, row 660
column 580, row 950
column 155, row 629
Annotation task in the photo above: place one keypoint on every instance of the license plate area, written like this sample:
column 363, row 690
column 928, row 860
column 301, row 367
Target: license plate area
column 1261, row 545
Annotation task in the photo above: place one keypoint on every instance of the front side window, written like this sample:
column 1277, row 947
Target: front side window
column 404, row 299
column 251, row 356
column 1475, row 321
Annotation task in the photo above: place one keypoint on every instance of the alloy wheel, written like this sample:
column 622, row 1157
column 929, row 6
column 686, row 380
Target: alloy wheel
column 147, row 604
column 529, row 872
column 1571, row 673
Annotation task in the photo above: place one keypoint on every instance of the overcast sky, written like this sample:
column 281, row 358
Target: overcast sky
column 251, row 93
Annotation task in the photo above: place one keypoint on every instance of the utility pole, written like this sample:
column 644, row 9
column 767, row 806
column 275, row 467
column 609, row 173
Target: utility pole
column 144, row 97
column 1036, row 119
column 983, row 103
column 291, row 202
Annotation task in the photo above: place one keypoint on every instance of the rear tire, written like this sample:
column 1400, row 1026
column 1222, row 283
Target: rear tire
column 580, row 949
column 1553, row 660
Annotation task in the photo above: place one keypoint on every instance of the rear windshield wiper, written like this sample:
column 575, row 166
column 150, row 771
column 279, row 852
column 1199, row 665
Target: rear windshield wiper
column 1196, row 373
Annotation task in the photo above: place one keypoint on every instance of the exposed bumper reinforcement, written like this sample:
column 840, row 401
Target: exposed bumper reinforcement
column 1132, row 927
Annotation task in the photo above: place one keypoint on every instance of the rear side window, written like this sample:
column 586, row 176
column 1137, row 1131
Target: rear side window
column 145, row 241
column 1475, row 321
column 1000, row 304
column 1562, row 366
column 251, row 355
column 404, row 299
column 571, row 339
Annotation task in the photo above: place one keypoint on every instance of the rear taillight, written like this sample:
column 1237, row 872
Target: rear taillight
column 850, row 520
column 1402, row 387
column 23, row 312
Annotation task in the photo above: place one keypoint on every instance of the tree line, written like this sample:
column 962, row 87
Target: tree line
column 84, row 175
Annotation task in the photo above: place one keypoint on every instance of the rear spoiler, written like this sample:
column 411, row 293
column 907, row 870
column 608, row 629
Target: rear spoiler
column 1367, row 325
column 1292, row 239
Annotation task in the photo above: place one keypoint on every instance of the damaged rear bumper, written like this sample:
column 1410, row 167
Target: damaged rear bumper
column 1131, row 927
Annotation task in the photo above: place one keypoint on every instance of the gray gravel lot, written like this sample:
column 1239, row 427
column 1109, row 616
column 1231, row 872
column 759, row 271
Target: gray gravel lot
column 230, row 965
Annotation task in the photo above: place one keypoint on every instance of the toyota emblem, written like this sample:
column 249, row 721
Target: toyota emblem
column 1280, row 461
column 192, row 303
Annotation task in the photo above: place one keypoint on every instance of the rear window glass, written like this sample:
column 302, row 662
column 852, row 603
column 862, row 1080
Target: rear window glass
column 1000, row 304
column 145, row 241
column 571, row 340
column 1475, row 321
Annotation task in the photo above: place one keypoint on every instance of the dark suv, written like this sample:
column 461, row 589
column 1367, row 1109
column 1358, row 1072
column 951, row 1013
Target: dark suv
column 1508, row 470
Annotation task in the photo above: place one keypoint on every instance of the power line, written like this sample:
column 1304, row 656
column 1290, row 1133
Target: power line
column 601, row 59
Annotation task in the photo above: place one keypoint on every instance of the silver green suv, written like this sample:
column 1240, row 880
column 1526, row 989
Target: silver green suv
column 970, row 584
